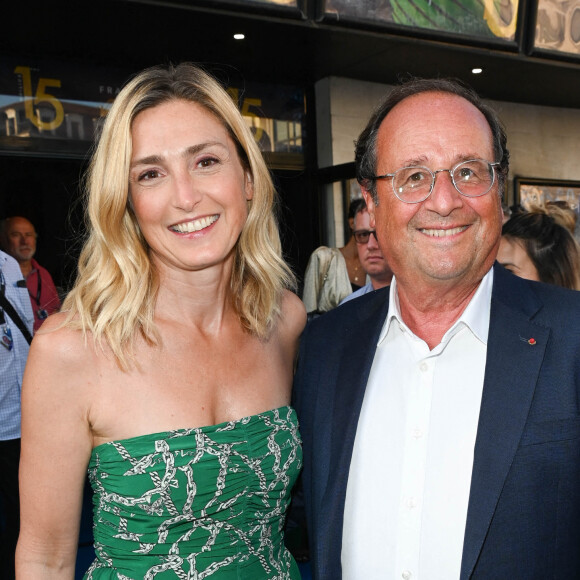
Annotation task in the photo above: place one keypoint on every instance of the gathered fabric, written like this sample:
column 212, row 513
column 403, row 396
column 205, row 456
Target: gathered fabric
column 208, row 502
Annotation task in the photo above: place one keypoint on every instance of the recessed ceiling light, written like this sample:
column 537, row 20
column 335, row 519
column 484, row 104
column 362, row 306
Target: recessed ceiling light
column 239, row 36
column 476, row 71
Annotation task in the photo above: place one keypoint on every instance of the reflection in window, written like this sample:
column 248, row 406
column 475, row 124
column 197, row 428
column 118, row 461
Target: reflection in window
column 274, row 113
column 75, row 127
column 288, row 136
column 274, row 135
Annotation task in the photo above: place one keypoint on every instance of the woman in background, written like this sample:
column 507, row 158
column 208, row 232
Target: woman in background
column 332, row 274
column 537, row 246
column 169, row 371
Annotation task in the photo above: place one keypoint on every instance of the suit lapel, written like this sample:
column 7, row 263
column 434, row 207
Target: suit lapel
column 514, row 356
column 353, row 370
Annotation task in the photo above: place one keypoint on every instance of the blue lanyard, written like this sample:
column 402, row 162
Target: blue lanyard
column 5, row 332
column 2, row 292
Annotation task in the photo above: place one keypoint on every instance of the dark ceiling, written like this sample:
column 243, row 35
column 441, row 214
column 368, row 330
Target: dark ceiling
column 277, row 48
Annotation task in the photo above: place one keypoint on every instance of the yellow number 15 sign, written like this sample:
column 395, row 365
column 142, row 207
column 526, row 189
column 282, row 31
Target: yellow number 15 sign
column 41, row 96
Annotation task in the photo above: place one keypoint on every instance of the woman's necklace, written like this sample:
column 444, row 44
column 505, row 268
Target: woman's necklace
column 356, row 269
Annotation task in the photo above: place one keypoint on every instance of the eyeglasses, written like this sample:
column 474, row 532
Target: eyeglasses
column 362, row 236
column 414, row 184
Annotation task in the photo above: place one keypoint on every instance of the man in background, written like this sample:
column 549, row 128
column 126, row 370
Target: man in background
column 15, row 312
column 371, row 258
column 18, row 238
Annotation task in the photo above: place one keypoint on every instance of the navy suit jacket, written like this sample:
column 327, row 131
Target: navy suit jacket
column 523, row 518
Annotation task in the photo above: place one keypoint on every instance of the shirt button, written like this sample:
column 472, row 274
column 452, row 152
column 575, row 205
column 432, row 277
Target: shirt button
column 411, row 503
column 424, row 367
column 417, row 433
column 406, row 575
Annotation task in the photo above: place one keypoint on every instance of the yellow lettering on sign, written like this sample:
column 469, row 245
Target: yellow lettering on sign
column 247, row 103
column 41, row 96
column 234, row 93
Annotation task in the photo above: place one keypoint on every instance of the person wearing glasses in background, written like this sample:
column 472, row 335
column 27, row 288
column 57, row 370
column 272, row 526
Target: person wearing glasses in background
column 371, row 258
column 455, row 390
column 333, row 273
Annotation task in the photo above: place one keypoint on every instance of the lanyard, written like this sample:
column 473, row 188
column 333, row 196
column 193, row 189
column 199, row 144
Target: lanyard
column 38, row 289
column 5, row 332
column 2, row 292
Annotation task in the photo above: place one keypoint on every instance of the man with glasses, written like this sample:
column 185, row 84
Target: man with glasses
column 369, row 254
column 440, row 416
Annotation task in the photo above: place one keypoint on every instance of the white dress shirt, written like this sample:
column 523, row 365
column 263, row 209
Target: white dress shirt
column 410, row 473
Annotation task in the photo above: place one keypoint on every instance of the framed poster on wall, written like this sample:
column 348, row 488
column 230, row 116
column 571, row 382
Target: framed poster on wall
column 486, row 20
column 530, row 191
column 558, row 27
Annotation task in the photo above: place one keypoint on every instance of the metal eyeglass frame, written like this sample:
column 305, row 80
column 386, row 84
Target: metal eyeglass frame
column 434, row 175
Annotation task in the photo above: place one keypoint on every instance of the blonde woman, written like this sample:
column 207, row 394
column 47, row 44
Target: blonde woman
column 168, row 373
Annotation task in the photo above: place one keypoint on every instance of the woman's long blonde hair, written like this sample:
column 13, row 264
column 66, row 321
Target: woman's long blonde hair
column 116, row 287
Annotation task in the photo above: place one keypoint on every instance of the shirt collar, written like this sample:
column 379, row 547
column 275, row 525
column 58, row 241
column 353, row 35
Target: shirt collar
column 475, row 316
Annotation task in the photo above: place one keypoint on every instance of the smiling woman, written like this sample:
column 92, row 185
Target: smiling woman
column 116, row 234
column 190, row 201
column 168, row 373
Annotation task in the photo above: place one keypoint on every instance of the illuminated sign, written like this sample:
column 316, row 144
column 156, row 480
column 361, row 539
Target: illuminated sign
column 54, row 108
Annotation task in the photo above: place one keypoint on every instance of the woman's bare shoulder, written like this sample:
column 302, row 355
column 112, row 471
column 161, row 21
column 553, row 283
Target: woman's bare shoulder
column 292, row 314
column 60, row 375
column 61, row 343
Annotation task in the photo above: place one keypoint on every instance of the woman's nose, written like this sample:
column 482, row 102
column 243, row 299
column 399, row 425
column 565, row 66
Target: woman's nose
column 187, row 191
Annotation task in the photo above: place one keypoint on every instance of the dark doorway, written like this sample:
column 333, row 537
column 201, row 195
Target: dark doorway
column 298, row 215
column 47, row 192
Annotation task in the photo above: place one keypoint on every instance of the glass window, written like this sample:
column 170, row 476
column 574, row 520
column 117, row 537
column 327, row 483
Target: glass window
column 52, row 108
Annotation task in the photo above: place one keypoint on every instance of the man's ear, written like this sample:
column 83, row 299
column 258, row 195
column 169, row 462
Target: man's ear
column 370, row 205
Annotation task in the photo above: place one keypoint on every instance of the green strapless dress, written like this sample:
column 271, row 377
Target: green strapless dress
column 197, row 503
